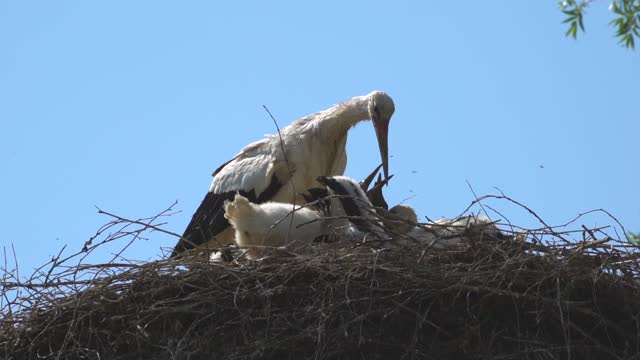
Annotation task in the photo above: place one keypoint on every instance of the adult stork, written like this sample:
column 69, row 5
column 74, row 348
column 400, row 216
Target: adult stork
column 281, row 166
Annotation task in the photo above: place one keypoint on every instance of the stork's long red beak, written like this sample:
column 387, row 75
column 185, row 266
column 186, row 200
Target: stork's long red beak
column 382, row 132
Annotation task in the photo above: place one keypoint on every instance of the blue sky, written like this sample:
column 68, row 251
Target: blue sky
column 130, row 106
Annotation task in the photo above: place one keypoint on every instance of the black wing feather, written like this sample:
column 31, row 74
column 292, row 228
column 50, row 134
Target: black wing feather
column 209, row 220
column 348, row 203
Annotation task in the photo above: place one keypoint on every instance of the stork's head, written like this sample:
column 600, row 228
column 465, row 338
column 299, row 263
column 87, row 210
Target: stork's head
column 381, row 110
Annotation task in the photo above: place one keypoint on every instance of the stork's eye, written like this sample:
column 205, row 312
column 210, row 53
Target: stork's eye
column 376, row 110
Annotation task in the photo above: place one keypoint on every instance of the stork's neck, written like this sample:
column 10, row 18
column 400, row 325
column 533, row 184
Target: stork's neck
column 343, row 116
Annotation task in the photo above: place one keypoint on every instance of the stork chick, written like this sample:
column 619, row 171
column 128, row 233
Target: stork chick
column 356, row 216
column 401, row 219
column 441, row 233
column 272, row 224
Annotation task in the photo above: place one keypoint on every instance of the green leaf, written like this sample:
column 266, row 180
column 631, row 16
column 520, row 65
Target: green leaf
column 581, row 23
column 572, row 31
column 630, row 42
column 616, row 21
column 615, row 8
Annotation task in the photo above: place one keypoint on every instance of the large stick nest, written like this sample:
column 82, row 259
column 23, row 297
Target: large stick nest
column 533, row 296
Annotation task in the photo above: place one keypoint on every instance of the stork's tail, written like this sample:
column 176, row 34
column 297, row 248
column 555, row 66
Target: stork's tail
column 238, row 209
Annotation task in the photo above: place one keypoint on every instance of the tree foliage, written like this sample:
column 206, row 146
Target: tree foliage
column 626, row 22
column 634, row 238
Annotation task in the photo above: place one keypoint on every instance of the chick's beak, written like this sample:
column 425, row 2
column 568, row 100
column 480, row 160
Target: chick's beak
column 364, row 184
column 382, row 131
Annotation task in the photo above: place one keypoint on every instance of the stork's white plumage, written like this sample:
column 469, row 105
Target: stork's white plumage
column 346, row 211
column 273, row 224
column 313, row 146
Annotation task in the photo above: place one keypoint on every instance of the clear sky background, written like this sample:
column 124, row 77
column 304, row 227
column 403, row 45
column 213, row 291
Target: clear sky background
column 130, row 106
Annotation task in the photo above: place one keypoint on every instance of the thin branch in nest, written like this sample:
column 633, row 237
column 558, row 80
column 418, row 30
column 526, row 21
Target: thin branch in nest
column 289, row 170
column 476, row 197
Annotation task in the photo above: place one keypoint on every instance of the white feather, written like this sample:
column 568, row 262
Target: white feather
column 273, row 224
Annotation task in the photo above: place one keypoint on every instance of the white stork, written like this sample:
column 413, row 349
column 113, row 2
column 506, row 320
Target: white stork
column 342, row 208
column 313, row 146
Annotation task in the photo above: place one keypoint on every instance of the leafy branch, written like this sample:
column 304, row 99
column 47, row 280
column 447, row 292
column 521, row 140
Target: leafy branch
column 634, row 238
column 626, row 21
column 575, row 15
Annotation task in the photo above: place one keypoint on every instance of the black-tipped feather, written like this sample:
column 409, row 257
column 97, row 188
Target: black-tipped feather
column 348, row 202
